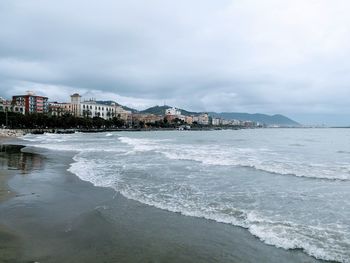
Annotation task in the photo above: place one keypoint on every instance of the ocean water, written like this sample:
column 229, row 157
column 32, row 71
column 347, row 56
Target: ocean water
column 288, row 187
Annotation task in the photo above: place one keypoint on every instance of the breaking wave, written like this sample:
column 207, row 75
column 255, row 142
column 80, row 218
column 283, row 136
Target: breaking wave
column 260, row 159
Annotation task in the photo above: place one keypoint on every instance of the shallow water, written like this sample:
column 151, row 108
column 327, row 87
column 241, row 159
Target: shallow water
column 288, row 187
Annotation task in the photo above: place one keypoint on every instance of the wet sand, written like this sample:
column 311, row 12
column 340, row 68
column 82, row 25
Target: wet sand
column 56, row 217
column 9, row 242
column 5, row 192
column 10, row 246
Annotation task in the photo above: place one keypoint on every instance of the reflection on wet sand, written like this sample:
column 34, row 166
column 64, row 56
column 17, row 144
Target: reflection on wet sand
column 12, row 158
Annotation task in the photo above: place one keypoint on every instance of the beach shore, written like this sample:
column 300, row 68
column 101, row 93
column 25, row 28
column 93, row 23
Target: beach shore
column 10, row 246
column 5, row 133
column 56, row 217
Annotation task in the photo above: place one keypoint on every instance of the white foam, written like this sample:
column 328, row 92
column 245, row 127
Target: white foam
column 287, row 235
column 261, row 159
column 291, row 237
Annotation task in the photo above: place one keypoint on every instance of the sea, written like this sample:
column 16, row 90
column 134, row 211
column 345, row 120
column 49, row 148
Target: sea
column 288, row 187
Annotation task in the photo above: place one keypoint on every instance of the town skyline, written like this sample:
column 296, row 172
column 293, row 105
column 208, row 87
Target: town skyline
column 140, row 105
column 31, row 103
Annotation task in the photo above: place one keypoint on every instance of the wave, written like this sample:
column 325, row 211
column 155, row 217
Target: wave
column 72, row 142
column 261, row 159
column 189, row 201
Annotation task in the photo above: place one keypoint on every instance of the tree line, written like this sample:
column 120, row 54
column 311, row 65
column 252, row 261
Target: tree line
column 43, row 121
column 14, row 120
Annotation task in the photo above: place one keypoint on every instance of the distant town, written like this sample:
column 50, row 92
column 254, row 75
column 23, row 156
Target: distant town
column 89, row 114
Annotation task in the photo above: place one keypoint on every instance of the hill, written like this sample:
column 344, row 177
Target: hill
column 160, row 110
column 109, row 102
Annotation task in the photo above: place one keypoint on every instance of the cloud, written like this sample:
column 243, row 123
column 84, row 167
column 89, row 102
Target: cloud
column 273, row 56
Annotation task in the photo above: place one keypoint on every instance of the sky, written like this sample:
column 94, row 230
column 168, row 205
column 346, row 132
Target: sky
column 288, row 57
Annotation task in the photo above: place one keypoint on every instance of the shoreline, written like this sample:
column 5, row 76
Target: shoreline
column 71, row 220
column 5, row 174
column 16, row 133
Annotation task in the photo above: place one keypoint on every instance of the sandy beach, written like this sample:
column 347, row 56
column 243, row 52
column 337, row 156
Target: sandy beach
column 56, row 217
column 9, row 240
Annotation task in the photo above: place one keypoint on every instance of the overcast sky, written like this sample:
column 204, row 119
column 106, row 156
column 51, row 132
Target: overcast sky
column 269, row 56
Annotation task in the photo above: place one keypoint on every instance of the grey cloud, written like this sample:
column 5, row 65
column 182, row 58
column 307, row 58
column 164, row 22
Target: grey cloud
column 289, row 57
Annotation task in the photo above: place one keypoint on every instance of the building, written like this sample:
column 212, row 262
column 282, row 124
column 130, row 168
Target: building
column 189, row 119
column 216, row 121
column 173, row 111
column 75, row 101
column 8, row 106
column 90, row 108
column 202, row 119
column 31, row 103
column 5, row 105
column 172, row 114
column 146, row 118
column 59, row 108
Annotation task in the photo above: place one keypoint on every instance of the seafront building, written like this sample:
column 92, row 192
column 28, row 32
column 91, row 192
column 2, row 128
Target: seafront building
column 216, row 121
column 146, row 118
column 59, row 108
column 31, row 103
column 189, row 119
column 8, row 106
column 90, row 108
column 202, row 119
column 173, row 113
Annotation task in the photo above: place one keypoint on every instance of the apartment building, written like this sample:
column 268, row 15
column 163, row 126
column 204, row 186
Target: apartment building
column 8, row 106
column 31, row 103
column 202, row 119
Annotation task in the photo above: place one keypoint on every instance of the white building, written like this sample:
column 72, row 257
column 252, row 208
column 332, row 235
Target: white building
column 173, row 111
column 92, row 109
column 216, row 121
